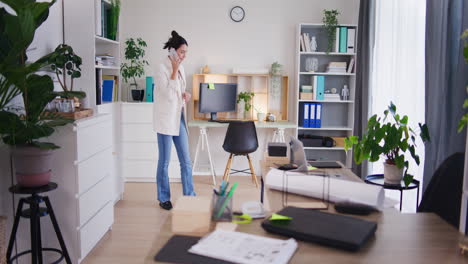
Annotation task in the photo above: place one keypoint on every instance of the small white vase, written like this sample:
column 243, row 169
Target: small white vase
column 261, row 117
column 392, row 174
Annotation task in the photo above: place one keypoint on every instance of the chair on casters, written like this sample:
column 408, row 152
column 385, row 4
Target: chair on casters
column 241, row 140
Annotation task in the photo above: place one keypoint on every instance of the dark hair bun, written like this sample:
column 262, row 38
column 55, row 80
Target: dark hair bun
column 175, row 41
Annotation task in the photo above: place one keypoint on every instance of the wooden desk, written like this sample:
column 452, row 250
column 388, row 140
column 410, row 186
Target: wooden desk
column 400, row 238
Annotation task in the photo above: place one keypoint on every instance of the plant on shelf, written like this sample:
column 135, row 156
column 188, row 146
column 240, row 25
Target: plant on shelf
column 246, row 97
column 23, row 127
column 64, row 62
column 464, row 120
column 391, row 139
column 330, row 23
column 113, row 22
column 135, row 67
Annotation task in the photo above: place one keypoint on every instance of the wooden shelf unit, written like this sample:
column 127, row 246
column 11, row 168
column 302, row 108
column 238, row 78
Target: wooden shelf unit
column 257, row 83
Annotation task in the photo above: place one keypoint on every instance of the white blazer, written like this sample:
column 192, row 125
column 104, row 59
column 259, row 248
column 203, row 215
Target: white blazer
column 168, row 100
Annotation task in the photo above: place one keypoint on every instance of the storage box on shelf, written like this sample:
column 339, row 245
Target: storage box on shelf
column 332, row 77
column 265, row 99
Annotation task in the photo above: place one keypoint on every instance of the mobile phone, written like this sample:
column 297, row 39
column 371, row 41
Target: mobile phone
column 173, row 54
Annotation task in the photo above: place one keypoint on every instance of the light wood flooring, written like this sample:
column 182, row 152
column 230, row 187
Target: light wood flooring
column 138, row 220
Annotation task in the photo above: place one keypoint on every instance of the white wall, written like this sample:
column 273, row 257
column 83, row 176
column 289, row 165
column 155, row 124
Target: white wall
column 267, row 34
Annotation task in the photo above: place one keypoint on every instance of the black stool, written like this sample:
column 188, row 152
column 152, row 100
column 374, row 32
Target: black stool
column 34, row 213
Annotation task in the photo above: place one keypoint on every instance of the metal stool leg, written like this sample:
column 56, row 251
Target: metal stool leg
column 33, row 219
column 57, row 229
column 14, row 230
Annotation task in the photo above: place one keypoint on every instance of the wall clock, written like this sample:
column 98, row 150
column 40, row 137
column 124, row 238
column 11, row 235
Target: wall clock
column 237, row 14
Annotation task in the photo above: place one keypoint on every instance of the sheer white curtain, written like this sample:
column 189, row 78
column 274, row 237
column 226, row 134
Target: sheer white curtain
column 397, row 73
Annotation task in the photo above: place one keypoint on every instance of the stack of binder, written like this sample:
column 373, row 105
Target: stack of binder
column 345, row 40
column 310, row 115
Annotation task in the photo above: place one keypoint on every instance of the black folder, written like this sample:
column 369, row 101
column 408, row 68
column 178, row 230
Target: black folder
column 328, row 229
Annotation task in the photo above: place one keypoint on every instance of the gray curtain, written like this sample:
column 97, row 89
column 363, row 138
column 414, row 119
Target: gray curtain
column 365, row 42
column 446, row 78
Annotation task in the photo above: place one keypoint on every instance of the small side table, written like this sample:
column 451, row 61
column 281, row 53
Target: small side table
column 34, row 213
column 378, row 179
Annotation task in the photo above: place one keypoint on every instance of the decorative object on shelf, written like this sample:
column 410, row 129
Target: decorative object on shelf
column 246, row 97
column 311, row 64
column 392, row 139
column 113, row 19
column 345, row 93
column 331, row 95
column 22, row 128
column 64, row 62
column 237, row 14
column 313, row 44
column 206, row 70
column 135, row 67
column 330, row 21
column 271, row 117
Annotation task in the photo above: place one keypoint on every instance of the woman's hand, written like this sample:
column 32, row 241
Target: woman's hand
column 186, row 96
column 175, row 67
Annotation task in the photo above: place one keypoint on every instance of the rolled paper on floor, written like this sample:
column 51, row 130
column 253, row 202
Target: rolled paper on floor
column 340, row 189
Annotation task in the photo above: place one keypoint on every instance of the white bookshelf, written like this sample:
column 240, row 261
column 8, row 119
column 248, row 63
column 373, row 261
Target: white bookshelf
column 337, row 115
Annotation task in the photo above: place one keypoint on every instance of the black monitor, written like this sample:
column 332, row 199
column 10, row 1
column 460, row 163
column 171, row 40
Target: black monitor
column 217, row 97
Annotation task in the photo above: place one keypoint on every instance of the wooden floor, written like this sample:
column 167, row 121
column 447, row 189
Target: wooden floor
column 138, row 220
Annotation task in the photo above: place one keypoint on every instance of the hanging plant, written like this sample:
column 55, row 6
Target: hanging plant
column 330, row 23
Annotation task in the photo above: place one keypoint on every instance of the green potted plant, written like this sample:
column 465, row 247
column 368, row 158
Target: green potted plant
column 464, row 120
column 22, row 128
column 330, row 23
column 391, row 139
column 135, row 65
column 64, row 62
column 246, row 98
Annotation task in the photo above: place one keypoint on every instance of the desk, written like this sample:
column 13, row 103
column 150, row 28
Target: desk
column 400, row 238
column 203, row 125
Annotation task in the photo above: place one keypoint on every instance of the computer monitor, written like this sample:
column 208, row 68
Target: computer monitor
column 217, row 97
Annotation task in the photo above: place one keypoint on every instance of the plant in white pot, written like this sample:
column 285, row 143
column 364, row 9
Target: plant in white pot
column 22, row 126
column 390, row 137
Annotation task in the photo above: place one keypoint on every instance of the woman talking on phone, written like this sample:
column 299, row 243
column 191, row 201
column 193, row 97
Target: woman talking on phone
column 169, row 119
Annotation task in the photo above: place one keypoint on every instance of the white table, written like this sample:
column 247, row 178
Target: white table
column 203, row 125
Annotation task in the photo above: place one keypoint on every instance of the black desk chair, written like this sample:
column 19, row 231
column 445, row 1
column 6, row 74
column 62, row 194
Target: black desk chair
column 241, row 140
column 444, row 192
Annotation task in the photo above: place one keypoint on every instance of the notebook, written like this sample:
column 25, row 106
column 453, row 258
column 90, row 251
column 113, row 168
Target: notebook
column 328, row 229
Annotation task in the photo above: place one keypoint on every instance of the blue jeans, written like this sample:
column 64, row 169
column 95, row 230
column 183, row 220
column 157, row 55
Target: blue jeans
column 162, row 175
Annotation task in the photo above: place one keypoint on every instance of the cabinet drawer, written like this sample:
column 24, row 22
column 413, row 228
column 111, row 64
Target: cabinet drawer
column 95, row 229
column 94, row 169
column 92, row 139
column 137, row 113
column 138, row 133
column 94, row 199
column 140, row 150
column 138, row 169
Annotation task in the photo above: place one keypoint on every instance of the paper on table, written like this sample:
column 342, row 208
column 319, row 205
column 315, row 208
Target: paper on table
column 339, row 189
column 245, row 248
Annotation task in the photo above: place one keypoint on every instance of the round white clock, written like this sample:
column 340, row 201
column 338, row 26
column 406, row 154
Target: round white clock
column 237, row 14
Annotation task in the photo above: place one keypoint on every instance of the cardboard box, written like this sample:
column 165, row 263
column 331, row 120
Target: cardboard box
column 306, row 96
column 191, row 214
column 339, row 141
column 271, row 161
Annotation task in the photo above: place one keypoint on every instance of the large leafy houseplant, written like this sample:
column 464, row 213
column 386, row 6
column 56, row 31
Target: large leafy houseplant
column 134, row 54
column 330, row 23
column 391, row 137
column 19, row 76
column 464, row 120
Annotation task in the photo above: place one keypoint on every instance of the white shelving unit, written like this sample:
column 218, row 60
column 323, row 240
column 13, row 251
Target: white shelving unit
column 337, row 115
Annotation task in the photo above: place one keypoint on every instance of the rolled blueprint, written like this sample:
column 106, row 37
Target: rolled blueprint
column 339, row 189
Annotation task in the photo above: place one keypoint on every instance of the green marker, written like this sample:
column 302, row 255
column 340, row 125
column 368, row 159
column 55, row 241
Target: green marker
column 220, row 212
